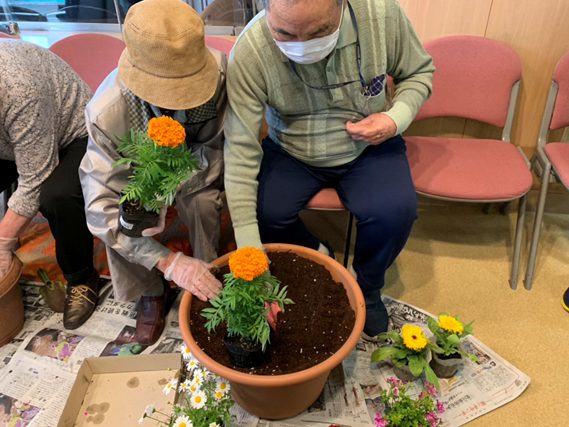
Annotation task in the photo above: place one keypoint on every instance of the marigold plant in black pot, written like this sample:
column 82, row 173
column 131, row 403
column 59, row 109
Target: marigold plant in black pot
column 447, row 352
column 159, row 162
column 244, row 305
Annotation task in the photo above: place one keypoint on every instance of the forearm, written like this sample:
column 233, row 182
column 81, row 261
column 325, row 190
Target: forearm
column 13, row 224
column 243, row 154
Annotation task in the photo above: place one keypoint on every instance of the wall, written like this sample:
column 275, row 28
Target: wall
column 538, row 30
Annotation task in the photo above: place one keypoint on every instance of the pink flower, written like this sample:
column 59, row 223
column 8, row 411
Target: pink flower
column 440, row 407
column 432, row 418
column 379, row 421
column 395, row 391
column 394, row 381
column 431, row 390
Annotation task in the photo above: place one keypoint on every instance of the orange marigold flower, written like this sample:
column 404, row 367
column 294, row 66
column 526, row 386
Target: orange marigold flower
column 166, row 132
column 247, row 263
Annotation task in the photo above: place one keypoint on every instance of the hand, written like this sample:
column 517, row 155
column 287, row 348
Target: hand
column 7, row 248
column 274, row 310
column 194, row 276
column 374, row 129
column 147, row 232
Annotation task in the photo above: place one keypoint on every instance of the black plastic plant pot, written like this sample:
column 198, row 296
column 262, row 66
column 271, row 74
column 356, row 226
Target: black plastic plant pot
column 133, row 219
column 244, row 353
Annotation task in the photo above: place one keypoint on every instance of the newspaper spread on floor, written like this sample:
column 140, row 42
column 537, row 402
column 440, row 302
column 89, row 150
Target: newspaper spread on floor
column 38, row 369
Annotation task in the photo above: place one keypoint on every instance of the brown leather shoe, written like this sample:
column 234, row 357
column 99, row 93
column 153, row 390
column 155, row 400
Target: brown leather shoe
column 150, row 319
column 80, row 302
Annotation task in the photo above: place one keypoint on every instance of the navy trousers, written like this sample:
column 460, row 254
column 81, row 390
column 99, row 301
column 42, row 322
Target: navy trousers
column 376, row 187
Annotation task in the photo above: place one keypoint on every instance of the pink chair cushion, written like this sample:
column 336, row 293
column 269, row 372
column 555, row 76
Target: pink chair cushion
column 560, row 116
column 92, row 56
column 558, row 153
column 222, row 44
column 467, row 169
column 326, row 199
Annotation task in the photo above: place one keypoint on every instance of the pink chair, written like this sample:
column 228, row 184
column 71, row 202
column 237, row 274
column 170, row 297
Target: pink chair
column 553, row 157
column 92, row 56
column 476, row 78
column 220, row 43
column 327, row 199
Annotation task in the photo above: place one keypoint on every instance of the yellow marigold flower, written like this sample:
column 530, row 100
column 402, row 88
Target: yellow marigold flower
column 166, row 132
column 450, row 324
column 247, row 263
column 413, row 337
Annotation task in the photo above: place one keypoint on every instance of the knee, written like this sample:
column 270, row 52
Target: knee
column 204, row 204
column 274, row 215
column 397, row 215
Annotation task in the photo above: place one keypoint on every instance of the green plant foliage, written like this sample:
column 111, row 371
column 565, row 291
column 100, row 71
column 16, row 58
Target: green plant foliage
column 400, row 356
column 243, row 306
column 402, row 410
column 157, row 171
column 448, row 343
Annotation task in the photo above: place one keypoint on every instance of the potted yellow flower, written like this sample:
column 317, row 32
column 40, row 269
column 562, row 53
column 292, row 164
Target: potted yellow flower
column 159, row 162
column 447, row 352
column 244, row 305
column 409, row 353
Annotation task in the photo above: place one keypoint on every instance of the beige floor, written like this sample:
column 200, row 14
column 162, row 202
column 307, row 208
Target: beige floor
column 457, row 260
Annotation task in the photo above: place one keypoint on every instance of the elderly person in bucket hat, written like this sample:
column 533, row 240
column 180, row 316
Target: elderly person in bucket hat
column 165, row 69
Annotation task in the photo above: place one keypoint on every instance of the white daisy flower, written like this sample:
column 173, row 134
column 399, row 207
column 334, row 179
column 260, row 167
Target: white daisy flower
column 184, row 385
column 198, row 400
column 149, row 410
column 214, row 425
column 186, row 353
column 193, row 388
column 198, row 381
column 183, row 421
column 170, row 386
column 218, row 395
column 222, row 385
column 199, row 373
column 192, row 364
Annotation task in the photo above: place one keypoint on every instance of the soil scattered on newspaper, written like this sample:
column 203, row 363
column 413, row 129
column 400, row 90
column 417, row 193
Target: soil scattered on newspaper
column 308, row 332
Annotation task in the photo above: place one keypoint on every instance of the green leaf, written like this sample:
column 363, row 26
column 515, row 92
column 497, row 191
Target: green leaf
column 383, row 353
column 416, row 365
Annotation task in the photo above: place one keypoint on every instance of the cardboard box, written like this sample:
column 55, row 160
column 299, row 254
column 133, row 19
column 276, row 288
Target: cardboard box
column 114, row 391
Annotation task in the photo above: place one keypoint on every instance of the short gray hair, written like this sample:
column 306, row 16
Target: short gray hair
column 267, row 3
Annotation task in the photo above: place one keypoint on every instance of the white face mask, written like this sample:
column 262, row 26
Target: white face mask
column 311, row 51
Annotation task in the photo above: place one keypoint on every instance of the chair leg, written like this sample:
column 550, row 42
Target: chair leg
column 518, row 242
column 530, row 269
column 348, row 240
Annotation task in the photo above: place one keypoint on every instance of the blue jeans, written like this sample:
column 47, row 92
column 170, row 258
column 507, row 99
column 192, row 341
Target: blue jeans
column 376, row 187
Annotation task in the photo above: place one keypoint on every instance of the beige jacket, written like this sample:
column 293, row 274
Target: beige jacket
column 107, row 119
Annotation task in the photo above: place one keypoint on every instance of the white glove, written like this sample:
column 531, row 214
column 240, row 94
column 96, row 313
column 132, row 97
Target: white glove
column 7, row 248
column 194, row 276
column 147, row 232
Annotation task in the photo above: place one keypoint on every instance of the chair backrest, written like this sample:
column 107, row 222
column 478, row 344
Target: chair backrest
column 560, row 115
column 92, row 56
column 474, row 79
column 220, row 43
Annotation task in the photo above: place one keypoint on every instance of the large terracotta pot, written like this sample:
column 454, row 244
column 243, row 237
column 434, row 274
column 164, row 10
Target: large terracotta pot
column 282, row 396
column 11, row 305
